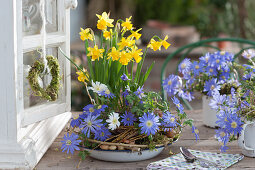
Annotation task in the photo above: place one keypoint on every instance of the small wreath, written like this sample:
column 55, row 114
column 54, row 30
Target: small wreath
column 51, row 91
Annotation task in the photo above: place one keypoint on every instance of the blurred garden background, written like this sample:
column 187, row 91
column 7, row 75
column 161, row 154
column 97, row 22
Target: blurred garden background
column 184, row 21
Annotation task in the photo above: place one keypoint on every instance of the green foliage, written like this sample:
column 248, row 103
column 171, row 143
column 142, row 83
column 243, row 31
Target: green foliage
column 83, row 154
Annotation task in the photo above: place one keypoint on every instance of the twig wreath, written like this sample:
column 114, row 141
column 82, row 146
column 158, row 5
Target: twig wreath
column 50, row 93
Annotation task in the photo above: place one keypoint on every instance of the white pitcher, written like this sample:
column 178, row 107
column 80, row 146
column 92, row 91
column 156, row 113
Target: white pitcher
column 246, row 140
column 209, row 114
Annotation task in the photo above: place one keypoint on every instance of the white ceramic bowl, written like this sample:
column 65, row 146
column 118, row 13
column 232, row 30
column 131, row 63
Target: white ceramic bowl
column 124, row 155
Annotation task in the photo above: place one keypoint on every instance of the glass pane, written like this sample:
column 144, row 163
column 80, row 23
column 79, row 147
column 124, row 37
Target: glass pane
column 32, row 20
column 29, row 58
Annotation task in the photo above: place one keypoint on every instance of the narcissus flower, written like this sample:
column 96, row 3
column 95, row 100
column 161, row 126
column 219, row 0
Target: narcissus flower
column 95, row 53
column 85, row 34
column 127, row 24
column 165, row 43
column 107, row 34
column 81, row 76
column 155, row 45
column 135, row 34
column 104, row 21
column 125, row 58
column 114, row 54
column 136, row 54
column 125, row 42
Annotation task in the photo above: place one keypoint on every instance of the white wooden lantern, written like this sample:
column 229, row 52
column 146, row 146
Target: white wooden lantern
column 29, row 125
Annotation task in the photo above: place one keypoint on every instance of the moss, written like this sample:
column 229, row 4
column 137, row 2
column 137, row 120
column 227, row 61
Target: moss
column 51, row 91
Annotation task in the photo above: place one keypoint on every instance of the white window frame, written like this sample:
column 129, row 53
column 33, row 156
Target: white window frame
column 61, row 39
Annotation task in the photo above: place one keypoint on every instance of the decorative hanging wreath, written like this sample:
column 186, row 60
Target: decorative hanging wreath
column 51, row 91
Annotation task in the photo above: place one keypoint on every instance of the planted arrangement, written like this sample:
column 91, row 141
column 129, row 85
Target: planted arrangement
column 212, row 71
column 122, row 115
column 238, row 108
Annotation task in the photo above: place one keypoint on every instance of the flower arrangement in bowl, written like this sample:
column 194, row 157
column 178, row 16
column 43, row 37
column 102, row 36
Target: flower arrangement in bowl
column 212, row 71
column 236, row 112
column 122, row 116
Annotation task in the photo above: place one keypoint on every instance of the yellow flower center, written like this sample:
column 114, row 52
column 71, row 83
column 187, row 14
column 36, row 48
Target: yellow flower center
column 68, row 142
column 107, row 91
column 183, row 65
column 89, row 123
column 223, row 77
column 99, row 107
column 217, row 61
column 102, row 134
column 226, row 119
column 114, row 121
column 222, row 53
column 172, row 119
column 248, row 56
column 169, row 82
column 234, row 125
column 212, row 87
column 128, row 119
column 197, row 67
column 222, row 134
column 149, row 123
column 178, row 105
column 211, row 70
column 196, row 131
column 91, row 110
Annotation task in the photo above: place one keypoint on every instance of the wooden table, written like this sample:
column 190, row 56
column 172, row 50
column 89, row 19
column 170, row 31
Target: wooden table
column 55, row 159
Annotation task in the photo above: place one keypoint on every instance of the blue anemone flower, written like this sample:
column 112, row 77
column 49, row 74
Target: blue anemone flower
column 211, row 85
column 100, row 108
column 178, row 104
column 128, row 119
column 197, row 68
column 124, row 77
column 107, row 94
column 196, row 132
column 149, row 123
column 169, row 120
column 139, row 92
column 70, row 143
column 170, row 84
column 234, row 124
column 90, row 124
column 185, row 66
column 223, row 148
column 89, row 108
column 75, row 121
column 102, row 134
column 222, row 136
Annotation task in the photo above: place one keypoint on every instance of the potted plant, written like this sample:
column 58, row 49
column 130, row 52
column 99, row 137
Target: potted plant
column 211, row 71
column 236, row 112
column 123, row 122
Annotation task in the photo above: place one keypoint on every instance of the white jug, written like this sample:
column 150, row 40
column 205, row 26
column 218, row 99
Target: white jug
column 209, row 114
column 246, row 140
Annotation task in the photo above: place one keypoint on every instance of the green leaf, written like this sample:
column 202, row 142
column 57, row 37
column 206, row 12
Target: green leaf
column 83, row 154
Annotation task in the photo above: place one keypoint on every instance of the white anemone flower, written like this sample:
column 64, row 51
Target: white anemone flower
column 98, row 87
column 113, row 120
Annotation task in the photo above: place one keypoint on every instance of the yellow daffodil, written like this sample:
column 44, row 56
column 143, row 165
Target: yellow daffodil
column 165, row 43
column 135, row 34
column 136, row 54
column 127, row 24
column 81, row 76
column 114, row 54
column 155, row 45
column 85, row 34
column 125, row 58
column 95, row 53
column 104, row 21
column 125, row 42
column 107, row 34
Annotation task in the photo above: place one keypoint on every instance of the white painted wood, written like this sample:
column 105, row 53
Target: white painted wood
column 27, row 134
column 31, row 42
column 27, row 152
column 58, row 39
